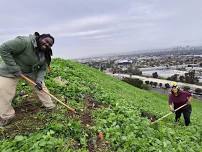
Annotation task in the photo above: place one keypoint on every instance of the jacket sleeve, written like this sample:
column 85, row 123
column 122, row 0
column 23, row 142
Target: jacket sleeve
column 41, row 73
column 10, row 49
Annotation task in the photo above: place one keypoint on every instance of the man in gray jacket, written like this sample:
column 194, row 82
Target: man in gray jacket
column 29, row 55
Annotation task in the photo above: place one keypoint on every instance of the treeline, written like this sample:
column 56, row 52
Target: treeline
column 147, row 84
column 189, row 77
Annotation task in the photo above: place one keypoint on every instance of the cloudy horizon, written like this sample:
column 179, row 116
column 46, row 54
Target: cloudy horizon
column 98, row 27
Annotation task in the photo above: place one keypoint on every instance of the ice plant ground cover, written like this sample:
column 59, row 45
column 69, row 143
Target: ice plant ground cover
column 112, row 116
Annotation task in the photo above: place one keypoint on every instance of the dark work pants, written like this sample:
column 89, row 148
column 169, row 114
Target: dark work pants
column 186, row 113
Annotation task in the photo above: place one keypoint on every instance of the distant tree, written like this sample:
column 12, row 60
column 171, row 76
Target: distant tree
column 155, row 75
column 198, row 90
column 135, row 82
column 200, row 64
column 173, row 77
column 133, row 71
column 167, row 85
column 130, row 75
column 151, row 83
column 109, row 64
column 191, row 78
column 116, row 70
column 182, row 78
column 155, row 84
column 160, row 85
column 186, row 88
column 195, row 61
column 102, row 68
column 147, row 82
column 145, row 87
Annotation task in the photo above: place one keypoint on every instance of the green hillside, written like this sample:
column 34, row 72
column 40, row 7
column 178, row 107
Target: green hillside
column 105, row 105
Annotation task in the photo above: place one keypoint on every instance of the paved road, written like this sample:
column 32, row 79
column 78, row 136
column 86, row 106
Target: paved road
column 192, row 86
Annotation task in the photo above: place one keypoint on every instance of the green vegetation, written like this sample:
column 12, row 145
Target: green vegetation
column 105, row 104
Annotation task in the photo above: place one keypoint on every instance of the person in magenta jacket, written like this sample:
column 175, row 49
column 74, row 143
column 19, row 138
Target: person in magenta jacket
column 177, row 98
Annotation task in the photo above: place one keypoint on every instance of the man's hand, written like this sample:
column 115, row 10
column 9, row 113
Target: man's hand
column 189, row 100
column 171, row 108
column 39, row 85
column 18, row 73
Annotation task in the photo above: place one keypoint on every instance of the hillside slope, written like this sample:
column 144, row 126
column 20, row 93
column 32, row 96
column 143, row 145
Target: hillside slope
column 106, row 106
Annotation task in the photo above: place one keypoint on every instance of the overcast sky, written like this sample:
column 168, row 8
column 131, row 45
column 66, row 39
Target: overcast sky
column 94, row 27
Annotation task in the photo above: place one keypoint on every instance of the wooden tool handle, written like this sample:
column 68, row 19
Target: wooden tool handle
column 33, row 83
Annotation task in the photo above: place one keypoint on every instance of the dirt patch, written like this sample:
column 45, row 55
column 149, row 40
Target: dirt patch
column 76, row 145
column 102, row 146
column 95, row 144
column 91, row 146
column 90, row 103
column 72, row 115
column 25, row 121
column 85, row 114
column 30, row 107
column 86, row 118
column 149, row 115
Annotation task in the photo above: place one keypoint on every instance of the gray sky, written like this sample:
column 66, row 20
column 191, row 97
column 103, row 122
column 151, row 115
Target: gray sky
column 94, row 27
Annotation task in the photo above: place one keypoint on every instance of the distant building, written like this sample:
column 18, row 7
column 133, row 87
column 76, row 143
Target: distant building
column 123, row 64
column 154, row 68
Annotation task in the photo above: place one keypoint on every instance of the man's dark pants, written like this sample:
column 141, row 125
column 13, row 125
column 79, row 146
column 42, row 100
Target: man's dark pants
column 186, row 113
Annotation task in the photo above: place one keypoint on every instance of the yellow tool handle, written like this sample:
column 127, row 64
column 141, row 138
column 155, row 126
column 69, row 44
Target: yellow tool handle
column 33, row 83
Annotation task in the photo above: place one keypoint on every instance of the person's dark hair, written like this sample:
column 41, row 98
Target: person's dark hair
column 48, row 53
column 178, row 90
column 38, row 36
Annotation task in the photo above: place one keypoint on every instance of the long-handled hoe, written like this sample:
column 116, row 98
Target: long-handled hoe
column 168, row 114
column 33, row 83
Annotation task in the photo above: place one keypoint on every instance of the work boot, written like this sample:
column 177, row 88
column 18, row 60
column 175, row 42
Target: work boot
column 50, row 108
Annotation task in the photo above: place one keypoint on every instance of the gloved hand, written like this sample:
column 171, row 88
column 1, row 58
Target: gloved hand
column 39, row 85
column 18, row 73
column 172, row 110
column 188, row 103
